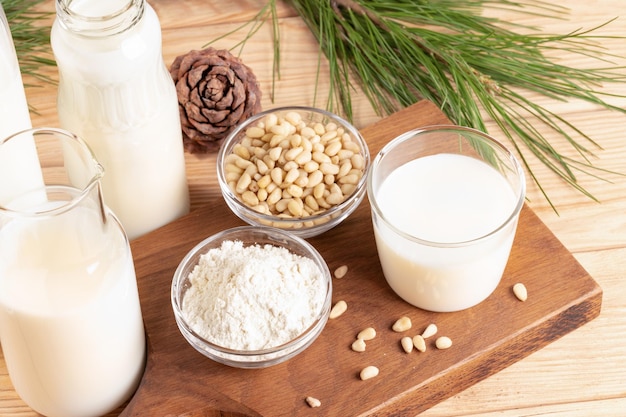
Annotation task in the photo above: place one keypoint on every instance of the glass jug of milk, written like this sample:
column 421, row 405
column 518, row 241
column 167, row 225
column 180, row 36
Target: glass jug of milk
column 70, row 321
column 116, row 92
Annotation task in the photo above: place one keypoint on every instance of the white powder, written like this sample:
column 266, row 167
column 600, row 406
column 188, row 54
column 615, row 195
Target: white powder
column 253, row 297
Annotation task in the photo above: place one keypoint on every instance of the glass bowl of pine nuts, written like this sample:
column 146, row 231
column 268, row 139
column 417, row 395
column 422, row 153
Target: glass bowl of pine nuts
column 299, row 169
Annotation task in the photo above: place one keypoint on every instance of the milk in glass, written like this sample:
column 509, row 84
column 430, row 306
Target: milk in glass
column 451, row 204
column 70, row 319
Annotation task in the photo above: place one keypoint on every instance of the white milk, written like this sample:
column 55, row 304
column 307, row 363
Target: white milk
column 116, row 93
column 444, row 198
column 14, row 117
column 70, row 321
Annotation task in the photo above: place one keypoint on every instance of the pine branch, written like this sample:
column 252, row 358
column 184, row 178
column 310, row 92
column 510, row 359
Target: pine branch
column 399, row 52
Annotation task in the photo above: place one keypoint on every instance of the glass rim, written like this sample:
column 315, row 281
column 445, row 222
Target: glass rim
column 230, row 141
column 81, row 192
column 517, row 168
column 117, row 19
column 181, row 275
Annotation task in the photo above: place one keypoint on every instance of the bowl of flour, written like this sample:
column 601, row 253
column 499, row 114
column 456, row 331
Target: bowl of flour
column 251, row 297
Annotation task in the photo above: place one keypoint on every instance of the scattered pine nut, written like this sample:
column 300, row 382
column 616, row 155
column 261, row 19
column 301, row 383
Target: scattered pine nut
column 358, row 345
column 367, row 334
column 402, row 324
column 341, row 271
column 313, row 402
column 338, row 309
column 520, row 291
column 430, row 330
column 419, row 343
column 407, row 344
column 443, row 342
column 368, row 372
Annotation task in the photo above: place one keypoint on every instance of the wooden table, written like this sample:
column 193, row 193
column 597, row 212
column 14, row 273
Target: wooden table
column 581, row 374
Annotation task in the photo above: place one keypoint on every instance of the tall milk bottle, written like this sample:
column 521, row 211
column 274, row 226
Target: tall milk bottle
column 116, row 92
column 14, row 116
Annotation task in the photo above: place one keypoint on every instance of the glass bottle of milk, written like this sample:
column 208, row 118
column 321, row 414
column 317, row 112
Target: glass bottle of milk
column 14, row 116
column 116, row 92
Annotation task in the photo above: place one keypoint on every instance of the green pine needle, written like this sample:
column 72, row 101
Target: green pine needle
column 31, row 37
column 446, row 51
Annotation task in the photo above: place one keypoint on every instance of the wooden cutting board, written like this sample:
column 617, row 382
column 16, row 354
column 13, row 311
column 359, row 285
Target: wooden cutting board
column 500, row 331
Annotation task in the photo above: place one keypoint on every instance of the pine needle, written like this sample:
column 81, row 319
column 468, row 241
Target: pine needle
column 30, row 37
column 399, row 52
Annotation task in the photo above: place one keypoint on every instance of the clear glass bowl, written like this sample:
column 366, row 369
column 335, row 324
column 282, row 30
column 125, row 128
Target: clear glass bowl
column 250, row 235
column 311, row 225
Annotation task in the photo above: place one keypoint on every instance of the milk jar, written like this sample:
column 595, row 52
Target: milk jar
column 116, row 92
column 14, row 115
column 70, row 319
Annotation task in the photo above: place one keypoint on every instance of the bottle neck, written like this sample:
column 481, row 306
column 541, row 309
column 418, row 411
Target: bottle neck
column 98, row 18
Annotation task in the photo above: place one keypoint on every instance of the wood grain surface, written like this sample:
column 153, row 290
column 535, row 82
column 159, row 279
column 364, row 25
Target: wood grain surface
column 579, row 375
column 486, row 338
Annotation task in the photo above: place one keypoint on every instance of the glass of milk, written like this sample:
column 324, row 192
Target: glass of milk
column 70, row 321
column 445, row 202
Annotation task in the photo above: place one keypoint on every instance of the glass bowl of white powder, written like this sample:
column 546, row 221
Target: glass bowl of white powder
column 300, row 169
column 251, row 296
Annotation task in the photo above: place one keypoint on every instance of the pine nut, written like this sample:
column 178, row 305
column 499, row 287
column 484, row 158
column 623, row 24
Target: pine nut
column 407, row 344
column 344, row 169
column 261, row 166
column 295, row 207
column 262, row 194
column 358, row 345
column 292, row 153
column 243, row 183
column 274, row 197
column 419, row 343
column 277, row 175
column 233, row 168
column 358, row 161
column 255, row 132
column 242, row 151
column 311, row 166
column 307, row 132
column 294, row 190
column 329, row 168
column 429, row 331
column 250, row 198
column 349, row 179
column 402, row 325
column 318, row 190
column 520, row 291
column 303, row 157
column 368, row 372
column 335, row 198
column 341, row 271
column 367, row 334
column 333, row 148
column 311, row 202
column 264, row 181
column 291, row 175
column 338, row 309
column 313, row 402
column 275, row 153
column 443, row 342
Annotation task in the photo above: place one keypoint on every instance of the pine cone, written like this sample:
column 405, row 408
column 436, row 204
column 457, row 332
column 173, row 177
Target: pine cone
column 215, row 91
